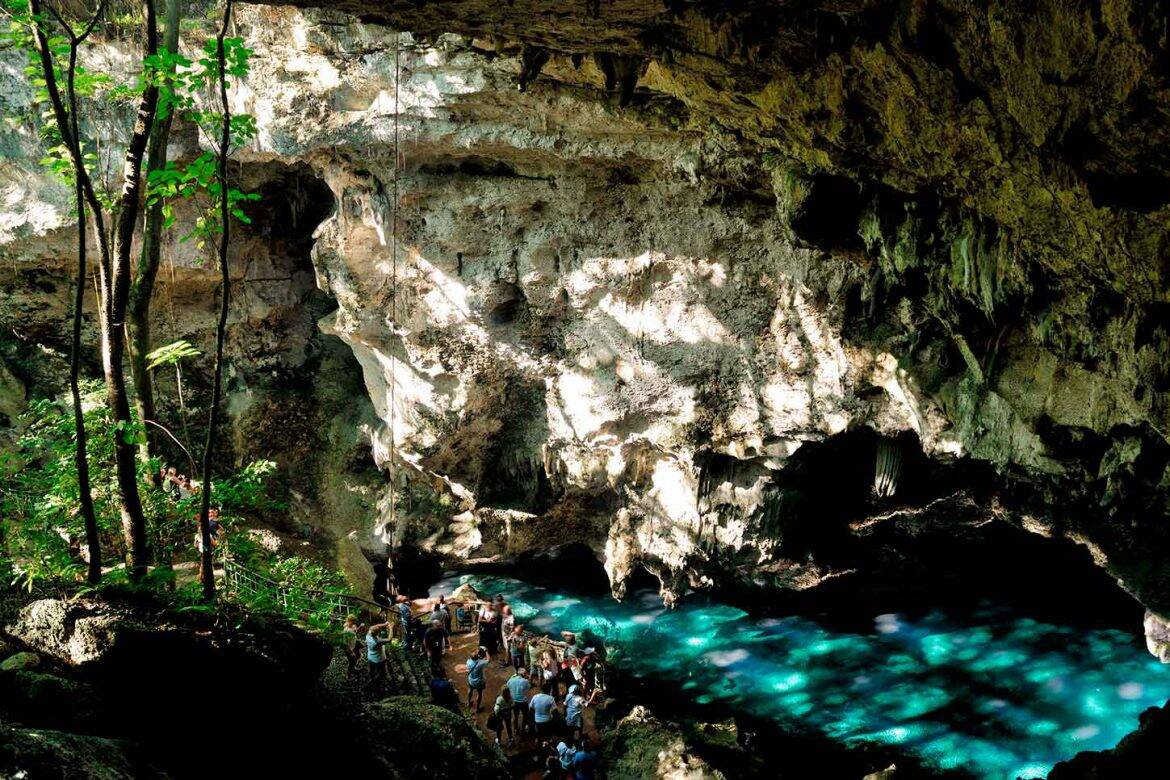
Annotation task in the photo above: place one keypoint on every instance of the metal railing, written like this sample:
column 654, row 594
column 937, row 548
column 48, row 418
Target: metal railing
column 239, row 579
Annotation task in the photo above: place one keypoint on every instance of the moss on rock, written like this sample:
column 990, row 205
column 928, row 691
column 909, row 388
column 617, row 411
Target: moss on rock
column 412, row 738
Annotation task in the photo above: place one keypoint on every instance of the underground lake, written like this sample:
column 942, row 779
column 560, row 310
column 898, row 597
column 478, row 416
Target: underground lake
column 985, row 689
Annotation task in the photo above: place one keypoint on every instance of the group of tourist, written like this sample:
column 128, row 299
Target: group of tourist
column 179, row 486
column 542, row 703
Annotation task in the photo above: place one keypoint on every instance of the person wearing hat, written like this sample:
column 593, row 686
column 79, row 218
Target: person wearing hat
column 575, row 712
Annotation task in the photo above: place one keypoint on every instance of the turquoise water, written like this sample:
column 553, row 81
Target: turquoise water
column 990, row 692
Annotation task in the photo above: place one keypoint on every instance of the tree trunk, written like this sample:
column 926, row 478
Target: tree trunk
column 207, row 572
column 67, row 125
column 142, row 291
column 81, row 449
column 117, row 294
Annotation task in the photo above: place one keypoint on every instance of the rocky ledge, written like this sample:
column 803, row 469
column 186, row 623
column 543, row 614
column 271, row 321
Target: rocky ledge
column 128, row 688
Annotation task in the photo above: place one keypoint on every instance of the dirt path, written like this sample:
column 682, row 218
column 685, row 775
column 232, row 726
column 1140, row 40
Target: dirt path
column 455, row 664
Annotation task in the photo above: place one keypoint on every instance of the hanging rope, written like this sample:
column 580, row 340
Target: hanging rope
column 394, row 302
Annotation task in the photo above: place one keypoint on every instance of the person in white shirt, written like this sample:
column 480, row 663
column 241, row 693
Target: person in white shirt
column 376, row 656
column 507, row 624
column 488, row 621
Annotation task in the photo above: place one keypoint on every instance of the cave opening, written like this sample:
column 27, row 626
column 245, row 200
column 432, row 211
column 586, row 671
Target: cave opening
column 913, row 533
column 293, row 202
column 507, row 304
column 830, row 214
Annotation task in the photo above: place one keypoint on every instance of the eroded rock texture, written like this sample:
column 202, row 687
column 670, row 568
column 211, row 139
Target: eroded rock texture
column 660, row 266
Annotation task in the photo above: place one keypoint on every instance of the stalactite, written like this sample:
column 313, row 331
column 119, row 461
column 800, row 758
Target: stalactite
column 532, row 60
column 621, row 74
column 887, row 468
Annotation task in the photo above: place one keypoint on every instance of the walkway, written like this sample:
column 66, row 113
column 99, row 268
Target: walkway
column 455, row 664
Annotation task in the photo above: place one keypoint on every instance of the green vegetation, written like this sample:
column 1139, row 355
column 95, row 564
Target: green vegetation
column 52, row 496
column 39, row 520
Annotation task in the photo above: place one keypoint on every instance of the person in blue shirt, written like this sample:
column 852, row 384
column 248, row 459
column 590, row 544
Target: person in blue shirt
column 376, row 656
column 575, row 712
column 519, row 686
column 565, row 755
column 443, row 694
column 404, row 616
column 543, row 705
column 584, row 764
column 476, row 677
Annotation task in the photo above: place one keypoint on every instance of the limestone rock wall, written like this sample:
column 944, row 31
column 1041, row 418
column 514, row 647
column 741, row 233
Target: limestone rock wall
column 652, row 301
column 578, row 313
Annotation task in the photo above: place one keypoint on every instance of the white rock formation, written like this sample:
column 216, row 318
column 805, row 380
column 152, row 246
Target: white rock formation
column 572, row 316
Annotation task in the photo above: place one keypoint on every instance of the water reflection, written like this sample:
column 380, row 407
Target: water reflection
column 993, row 692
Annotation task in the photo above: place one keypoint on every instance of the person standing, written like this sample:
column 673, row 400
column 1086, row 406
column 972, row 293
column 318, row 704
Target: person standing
column 437, row 612
column 476, row 677
column 542, row 705
column 351, row 643
column 575, row 713
column 519, row 686
column 501, row 717
column 507, row 624
column 435, row 642
column 404, row 615
column 517, row 647
column 549, row 672
column 488, row 621
column 376, row 656
column 584, row 766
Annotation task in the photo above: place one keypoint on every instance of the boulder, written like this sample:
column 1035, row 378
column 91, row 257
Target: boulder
column 72, row 632
column 644, row 747
column 20, row 661
column 467, row 594
column 408, row 737
column 36, row 753
column 45, row 700
column 1157, row 636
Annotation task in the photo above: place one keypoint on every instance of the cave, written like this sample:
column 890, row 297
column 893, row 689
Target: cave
column 810, row 357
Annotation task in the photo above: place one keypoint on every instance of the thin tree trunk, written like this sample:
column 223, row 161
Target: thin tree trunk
column 67, row 125
column 114, row 330
column 207, row 572
column 81, row 449
column 142, row 290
